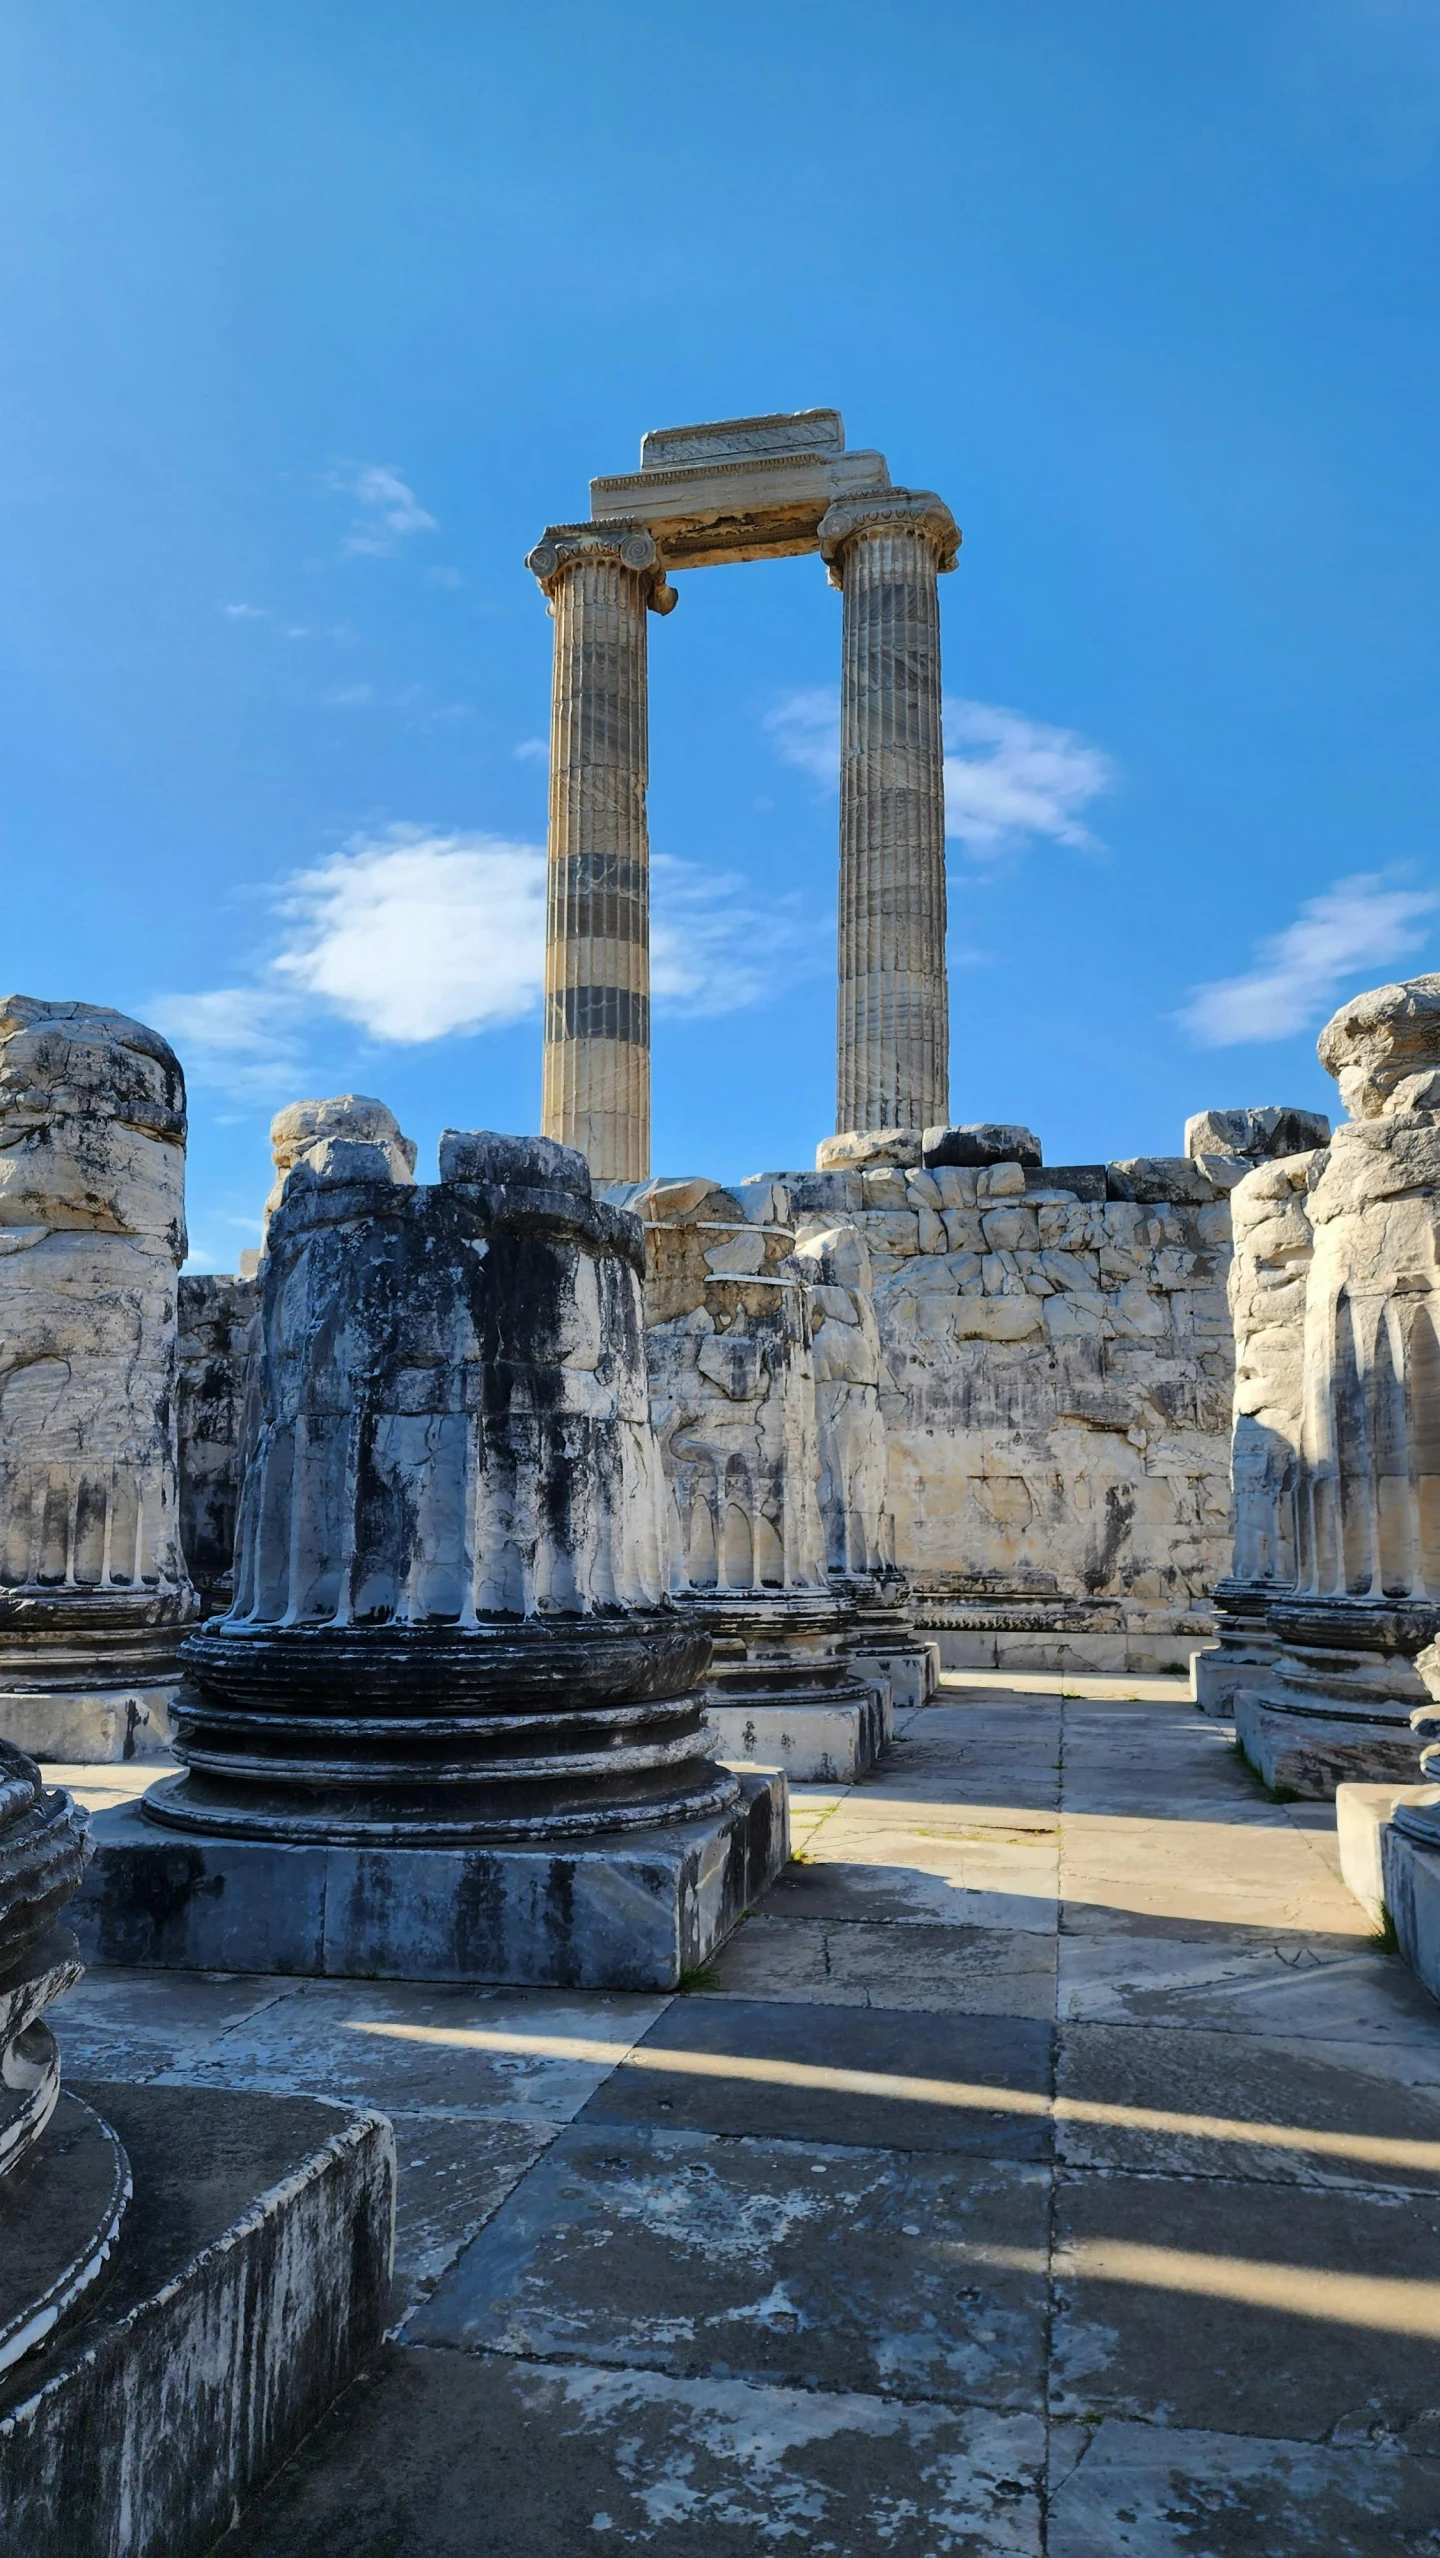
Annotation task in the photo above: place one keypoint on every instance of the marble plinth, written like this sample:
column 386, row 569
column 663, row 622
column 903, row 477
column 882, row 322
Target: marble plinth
column 1363, row 1813
column 634, row 1909
column 1246, row 1654
column 811, row 1742
column 1411, row 1876
column 77, row 1727
column 250, row 2285
column 1345, row 1686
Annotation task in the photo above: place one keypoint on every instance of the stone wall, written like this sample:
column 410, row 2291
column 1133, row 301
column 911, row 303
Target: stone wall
column 1058, row 1353
column 1050, row 1352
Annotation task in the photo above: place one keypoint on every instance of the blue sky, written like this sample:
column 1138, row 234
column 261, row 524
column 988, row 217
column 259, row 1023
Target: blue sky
column 314, row 312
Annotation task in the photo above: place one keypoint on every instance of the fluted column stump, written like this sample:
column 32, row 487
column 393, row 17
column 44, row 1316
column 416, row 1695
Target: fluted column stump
column 1273, row 1242
column 600, row 581
column 885, row 551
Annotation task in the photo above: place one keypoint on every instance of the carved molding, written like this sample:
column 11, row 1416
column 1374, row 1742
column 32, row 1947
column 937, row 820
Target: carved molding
column 564, row 547
column 888, row 511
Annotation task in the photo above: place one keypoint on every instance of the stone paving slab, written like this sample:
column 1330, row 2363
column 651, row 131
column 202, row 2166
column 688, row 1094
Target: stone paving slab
column 1246, row 2293
column 916, row 2276
column 446, row 2051
column 866, row 2077
column 453, row 2175
column 904, row 1873
column 1159, row 2491
column 502, row 2457
column 1207, row 1870
column 1162, row 2101
column 971, row 1971
column 1195, row 2302
column 1237, row 1985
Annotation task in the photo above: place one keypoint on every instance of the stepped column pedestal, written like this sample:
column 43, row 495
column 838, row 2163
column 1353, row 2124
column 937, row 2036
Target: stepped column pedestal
column 450, row 1728
column 885, row 550
column 600, row 581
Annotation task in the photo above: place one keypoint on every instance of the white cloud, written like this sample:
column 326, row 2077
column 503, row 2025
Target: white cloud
column 1008, row 779
column 1359, row 925
column 245, row 612
column 806, row 729
column 415, row 936
column 245, row 1038
column 532, row 750
column 390, row 510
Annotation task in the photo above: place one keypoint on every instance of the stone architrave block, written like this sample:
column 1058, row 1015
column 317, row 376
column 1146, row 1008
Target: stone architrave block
column 749, row 488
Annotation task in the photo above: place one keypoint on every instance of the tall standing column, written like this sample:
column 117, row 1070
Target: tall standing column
column 885, row 551
column 600, row 581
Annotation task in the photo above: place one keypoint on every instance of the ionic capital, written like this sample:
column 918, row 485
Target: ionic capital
column 888, row 511
column 564, row 547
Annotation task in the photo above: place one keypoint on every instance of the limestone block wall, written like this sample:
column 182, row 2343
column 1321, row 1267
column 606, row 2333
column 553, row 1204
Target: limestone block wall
column 1059, row 1367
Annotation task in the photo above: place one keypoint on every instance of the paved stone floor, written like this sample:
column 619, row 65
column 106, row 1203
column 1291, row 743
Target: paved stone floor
column 1052, row 2164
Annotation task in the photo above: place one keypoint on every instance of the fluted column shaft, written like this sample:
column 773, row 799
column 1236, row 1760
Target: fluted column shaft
column 600, row 580
column 886, row 553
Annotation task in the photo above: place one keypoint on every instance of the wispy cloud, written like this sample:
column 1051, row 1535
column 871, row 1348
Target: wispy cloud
column 1361, row 924
column 532, row 750
column 390, row 511
column 415, row 936
column 805, row 727
column 340, row 631
column 248, row 1039
column 718, row 947
column 1008, row 780
column 409, row 701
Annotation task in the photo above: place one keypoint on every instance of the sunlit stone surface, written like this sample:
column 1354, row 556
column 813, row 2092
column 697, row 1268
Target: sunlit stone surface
column 1270, row 1221
column 1367, row 1595
column 94, row 1592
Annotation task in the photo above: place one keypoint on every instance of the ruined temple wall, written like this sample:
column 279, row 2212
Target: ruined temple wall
column 1058, row 1378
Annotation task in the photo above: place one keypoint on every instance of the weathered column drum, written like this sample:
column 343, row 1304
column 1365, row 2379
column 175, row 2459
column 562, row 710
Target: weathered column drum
column 64, row 2179
column 451, row 1620
column 1367, row 1581
column 94, row 1594
column 732, row 1388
